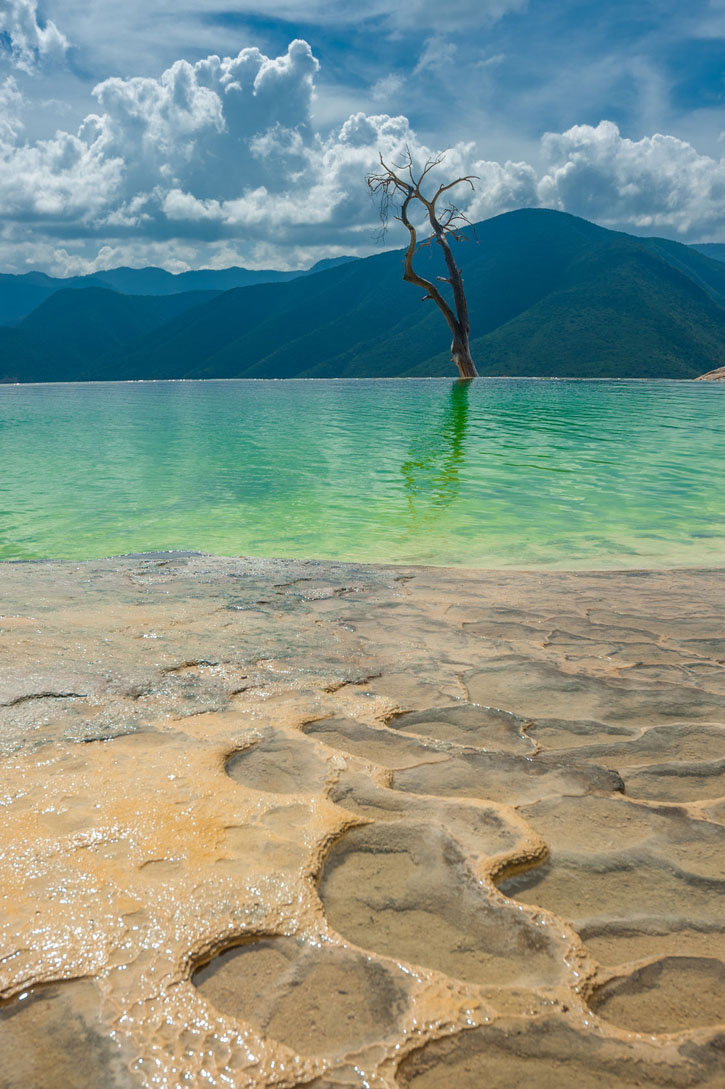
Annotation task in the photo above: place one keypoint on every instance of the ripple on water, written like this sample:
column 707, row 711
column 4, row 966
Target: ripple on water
column 498, row 473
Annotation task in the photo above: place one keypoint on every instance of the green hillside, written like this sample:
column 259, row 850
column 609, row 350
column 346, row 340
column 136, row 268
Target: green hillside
column 716, row 250
column 622, row 312
column 72, row 330
column 549, row 294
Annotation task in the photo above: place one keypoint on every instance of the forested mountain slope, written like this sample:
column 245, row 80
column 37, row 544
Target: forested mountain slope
column 549, row 294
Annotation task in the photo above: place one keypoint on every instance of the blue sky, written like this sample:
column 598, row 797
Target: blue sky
column 186, row 134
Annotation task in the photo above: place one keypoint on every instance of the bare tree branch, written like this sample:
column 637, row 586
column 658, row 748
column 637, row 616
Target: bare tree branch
column 391, row 190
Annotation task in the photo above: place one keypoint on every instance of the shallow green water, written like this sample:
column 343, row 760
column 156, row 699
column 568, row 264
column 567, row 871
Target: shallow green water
column 497, row 472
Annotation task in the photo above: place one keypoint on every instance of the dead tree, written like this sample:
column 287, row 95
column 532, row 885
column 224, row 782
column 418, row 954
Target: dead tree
column 402, row 185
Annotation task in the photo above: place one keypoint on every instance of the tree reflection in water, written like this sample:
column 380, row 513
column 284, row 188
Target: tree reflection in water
column 432, row 470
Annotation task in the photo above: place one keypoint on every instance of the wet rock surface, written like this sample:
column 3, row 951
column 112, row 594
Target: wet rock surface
column 55, row 1036
column 405, row 890
column 317, row 1000
column 664, row 996
column 548, row 1053
column 268, row 823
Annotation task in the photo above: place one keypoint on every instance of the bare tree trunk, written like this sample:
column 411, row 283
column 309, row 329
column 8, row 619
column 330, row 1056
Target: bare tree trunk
column 457, row 320
column 460, row 348
column 461, row 355
column 389, row 184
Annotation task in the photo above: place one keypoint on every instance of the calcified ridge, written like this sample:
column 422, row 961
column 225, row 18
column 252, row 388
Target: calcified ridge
column 270, row 823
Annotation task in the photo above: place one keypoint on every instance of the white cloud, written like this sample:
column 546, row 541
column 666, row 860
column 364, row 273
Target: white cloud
column 11, row 108
column 387, row 87
column 408, row 14
column 501, row 187
column 438, row 53
column 138, row 37
column 659, row 183
column 454, row 13
column 67, row 179
column 221, row 162
column 491, row 62
column 419, row 14
column 193, row 126
column 29, row 41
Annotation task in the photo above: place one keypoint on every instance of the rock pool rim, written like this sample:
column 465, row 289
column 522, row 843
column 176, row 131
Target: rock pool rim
column 368, row 565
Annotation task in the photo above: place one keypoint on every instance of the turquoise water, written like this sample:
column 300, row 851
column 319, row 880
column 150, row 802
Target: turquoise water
column 498, row 472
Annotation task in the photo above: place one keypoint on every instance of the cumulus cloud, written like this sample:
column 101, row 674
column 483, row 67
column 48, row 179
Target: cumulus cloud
column 502, row 187
column 68, row 179
column 218, row 150
column 658, row 183
column 219, row 162
column 26, row 39
column 11, row 107
column 214, row 126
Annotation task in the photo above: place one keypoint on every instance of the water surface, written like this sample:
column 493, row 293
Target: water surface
column 498, row 472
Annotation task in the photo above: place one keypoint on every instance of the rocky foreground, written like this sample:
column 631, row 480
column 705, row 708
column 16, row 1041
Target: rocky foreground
column 271, row 823
column 718, row 375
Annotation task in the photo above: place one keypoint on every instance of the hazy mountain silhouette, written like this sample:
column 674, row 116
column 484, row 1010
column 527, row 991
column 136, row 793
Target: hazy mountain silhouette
column 20, row 294
column 716, row 250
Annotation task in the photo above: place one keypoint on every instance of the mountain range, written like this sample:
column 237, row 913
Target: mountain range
column 549, row 294
column 21, row 294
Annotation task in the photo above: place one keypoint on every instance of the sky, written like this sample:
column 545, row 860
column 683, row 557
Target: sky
column 207, row 134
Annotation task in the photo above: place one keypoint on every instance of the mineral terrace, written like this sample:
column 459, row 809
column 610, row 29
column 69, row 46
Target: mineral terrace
column 269, row 823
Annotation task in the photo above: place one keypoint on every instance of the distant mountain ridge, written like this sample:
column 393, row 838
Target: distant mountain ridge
column 549, row 294
column 21, row 294
column 715, row 250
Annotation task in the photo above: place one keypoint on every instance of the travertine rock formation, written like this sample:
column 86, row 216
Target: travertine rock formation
column 282, row 824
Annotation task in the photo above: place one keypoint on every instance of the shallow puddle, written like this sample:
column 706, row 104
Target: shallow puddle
column 53, row 1037
column 677, row 782
column 681, row 743
column 618, row 890
column 555, row 733
column 279, row 765
column 380, row 746
column 479, row 727
column 550, row 1054
column 405, row 890
column 542, row 690
column 483, row 829
column 669, row 995
column 501, row 777
column 615, row 944
column 611, row 825
column 316, row 1000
